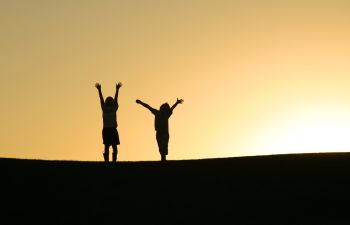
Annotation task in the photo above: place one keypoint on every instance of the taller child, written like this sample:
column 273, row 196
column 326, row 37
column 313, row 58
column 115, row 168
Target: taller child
column 161, row 124
column 109, row 112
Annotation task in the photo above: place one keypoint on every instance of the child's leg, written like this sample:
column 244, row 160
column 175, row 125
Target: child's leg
column 115, row 152
column 106, row 153
column 163, row 140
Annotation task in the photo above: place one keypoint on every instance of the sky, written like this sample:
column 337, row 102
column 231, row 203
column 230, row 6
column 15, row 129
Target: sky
column 257, row 77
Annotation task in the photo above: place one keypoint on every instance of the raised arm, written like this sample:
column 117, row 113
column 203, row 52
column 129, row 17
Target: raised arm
column 146, row 106
column 117, row 87
column 178, row 101
column 98, row 86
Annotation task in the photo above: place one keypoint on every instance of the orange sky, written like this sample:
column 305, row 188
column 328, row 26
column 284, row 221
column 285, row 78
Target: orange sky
column 257, row 77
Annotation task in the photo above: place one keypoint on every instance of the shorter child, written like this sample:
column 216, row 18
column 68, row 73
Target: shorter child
column 161, row 125
column 109, row 113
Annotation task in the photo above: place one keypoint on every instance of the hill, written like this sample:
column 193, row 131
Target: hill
column 280, row 189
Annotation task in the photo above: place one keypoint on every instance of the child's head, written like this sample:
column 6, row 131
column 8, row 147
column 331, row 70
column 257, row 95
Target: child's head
column 164, row 108
column 109, row 101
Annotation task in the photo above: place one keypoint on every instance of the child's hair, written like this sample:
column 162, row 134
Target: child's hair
column 164, row 108
column 109, row 101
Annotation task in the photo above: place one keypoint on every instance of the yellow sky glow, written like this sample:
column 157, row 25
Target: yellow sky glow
column 257, row 77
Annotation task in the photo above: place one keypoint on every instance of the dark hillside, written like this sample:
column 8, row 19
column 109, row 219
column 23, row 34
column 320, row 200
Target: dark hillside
column 284, row 189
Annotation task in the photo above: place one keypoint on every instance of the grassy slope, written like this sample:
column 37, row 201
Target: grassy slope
column 285, row 189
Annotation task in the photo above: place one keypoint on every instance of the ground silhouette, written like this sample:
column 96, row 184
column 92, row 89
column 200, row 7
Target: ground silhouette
column 281, row 189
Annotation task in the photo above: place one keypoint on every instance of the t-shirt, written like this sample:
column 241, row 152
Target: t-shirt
column 109, row 114
column 161, row 122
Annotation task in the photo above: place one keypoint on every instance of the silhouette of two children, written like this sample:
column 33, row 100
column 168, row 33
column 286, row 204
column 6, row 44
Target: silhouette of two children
column 110, row 133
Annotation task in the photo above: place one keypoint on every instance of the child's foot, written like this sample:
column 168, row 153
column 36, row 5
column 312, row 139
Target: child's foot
column 163, row 159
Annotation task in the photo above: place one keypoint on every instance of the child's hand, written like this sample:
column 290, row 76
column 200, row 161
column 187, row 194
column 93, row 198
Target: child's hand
column 138, row 101
column 119, row 85
column 98, row 86
column 179, row 101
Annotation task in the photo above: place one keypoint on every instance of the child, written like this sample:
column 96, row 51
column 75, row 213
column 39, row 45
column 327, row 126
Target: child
column 109, row 112
column 161, row 125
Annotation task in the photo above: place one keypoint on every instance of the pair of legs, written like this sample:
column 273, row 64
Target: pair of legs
column 110, row 138
column 163, row 140
column 114, row 153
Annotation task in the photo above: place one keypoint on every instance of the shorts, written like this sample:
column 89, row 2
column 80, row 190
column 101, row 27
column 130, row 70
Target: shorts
column 110, row 136
column 163, row 140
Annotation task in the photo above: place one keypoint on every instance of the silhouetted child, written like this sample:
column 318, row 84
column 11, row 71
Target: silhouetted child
column 161, row 125
column 109, row 112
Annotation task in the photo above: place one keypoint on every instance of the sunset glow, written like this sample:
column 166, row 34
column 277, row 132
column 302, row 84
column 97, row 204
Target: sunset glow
column 257, row 77
column 311, row 130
